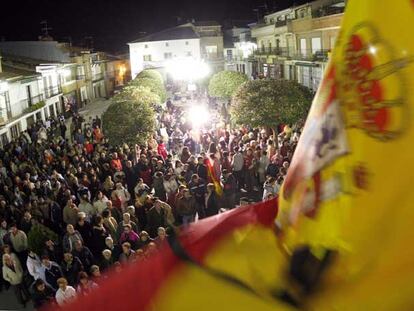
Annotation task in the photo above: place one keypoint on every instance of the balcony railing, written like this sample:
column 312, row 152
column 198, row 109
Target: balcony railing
column 328, row 10
column 309, row 55
column 80, row 77
column 281, row 23
column 36, row 99
column 97, row 76
column 281, row 51
column 52, row 91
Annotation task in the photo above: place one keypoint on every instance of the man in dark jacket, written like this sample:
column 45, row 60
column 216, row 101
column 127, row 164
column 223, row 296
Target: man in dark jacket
column 71, row 266
column 52, row 271
column 229, row 189
column 198, row 189
column 201, row 168
column 156, row 218
column 42, row 294
column 84, row 255
column 186, row 207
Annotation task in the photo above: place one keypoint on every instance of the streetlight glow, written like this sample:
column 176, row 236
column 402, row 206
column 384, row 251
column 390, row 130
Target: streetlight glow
column 187, row 69
column 198, row 115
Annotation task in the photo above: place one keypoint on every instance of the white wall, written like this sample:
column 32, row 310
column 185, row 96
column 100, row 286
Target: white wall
column 156, row 49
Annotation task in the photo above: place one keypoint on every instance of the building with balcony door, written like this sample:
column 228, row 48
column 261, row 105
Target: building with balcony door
column 24, row 99
column 295, row 43
column 238, row 49
column 201, row 41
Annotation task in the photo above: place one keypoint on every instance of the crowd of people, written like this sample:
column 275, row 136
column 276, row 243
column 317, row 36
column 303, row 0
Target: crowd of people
column 111, row 205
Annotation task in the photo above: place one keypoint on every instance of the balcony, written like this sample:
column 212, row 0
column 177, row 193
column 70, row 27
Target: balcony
column 281, row 51
column 52, row 91
column 281, row 23
column 80, row 77
column 330, row 10
column 35, row 99
column 97, row 76
column 314, row 56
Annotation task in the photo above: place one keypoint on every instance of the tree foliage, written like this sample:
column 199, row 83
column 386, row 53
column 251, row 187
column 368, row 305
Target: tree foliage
column 270, row 103
column 151, row 74
column 225, row 83
column 130, row 121
column 154, row 85
column 140, row 94
column 37, row 237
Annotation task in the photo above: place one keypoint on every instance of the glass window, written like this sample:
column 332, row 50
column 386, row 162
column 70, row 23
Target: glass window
column 146, row 46
column 168, row 55
column 186, row 42
column 167, row 44
column 147, row 58
column 188, row 54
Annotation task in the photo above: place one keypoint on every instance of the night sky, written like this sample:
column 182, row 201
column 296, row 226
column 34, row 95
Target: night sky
column 112, row 24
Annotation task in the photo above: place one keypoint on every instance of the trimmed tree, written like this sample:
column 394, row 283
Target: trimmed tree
column 268, row 103
column 150, row 74
column 129, row 121
column 137, row 93
column 225, row 83
column 38, row 235
column 154, row 85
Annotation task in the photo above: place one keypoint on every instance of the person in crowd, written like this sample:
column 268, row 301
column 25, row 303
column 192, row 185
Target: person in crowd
column 198, row 189
column 238, row 166
column 70, row 238
column 229, row 189
column 84, row 227
column 86, row 285
column 18, row 241
column 186, row 207
column 100, row 203
column 161, row 236
column 51, row 271
column 109, row 223
column 156, row 218
column 212, row 204
column 107, row 260
column 126, row 254
column 42, row 294
column 129, row 236
column 144, row 239
column 52, row 251
column 13, row 273
column 34, row 265
column 114, row 248
column 84, row 254
column 99, row 234
column 71, row 266
column 66, row 293
column 126, row 220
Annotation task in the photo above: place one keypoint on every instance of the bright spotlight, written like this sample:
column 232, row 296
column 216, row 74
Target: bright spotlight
column 187, row 69
column 198, row 115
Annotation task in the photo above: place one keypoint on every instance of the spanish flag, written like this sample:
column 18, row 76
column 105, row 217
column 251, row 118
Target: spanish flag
column 344, row 225
column 346, row 221
column 225, row 262
column 212, row 176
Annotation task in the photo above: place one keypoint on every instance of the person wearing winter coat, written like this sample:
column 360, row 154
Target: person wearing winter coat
column 71, row 266
column 13, row 273
column 212, row 207
column 70, row 238
column 52, row 271
column 34, row 266
column 186, row 207
column 42, row 294
column 229, row 183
